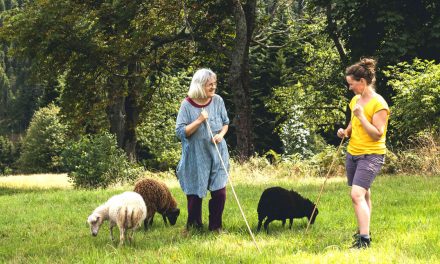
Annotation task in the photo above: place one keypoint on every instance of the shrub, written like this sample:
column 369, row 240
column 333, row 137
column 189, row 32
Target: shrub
column 7, row 155
column 321, row 163
column 43, row 143
column 97, row 162
column 156, row 134
column 417, row 101
column 422, row 155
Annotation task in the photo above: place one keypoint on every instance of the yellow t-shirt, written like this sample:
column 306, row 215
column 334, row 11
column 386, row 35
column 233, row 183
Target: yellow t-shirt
column 360, row 142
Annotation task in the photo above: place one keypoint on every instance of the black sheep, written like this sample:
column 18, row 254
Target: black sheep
column 277, row 203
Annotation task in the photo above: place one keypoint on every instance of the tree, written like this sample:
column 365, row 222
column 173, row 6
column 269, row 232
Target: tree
column 43, row 142
column 392, row 31
column 239, row 75
column 104, row 55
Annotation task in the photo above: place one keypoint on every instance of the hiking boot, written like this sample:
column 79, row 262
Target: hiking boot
column 361, row 242
column 357, row 234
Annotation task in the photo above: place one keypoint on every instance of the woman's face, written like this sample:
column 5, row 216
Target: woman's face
column 357, row 87
column 210, row 87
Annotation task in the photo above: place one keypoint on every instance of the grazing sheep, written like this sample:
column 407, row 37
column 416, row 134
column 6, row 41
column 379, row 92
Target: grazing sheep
column 277, row 203
column 157, row 198
column 127, row 210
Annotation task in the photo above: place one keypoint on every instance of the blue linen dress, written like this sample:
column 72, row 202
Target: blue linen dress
column 200, row 168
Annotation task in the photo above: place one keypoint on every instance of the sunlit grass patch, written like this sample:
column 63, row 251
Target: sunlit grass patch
column 36, row 181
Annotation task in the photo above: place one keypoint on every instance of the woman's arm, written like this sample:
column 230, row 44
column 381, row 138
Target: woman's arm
column 191, row 128
column 376, row 128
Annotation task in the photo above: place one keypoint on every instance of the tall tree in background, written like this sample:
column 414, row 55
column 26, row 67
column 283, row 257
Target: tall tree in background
column 391, row 31
column 19, row 97
column 105, row 55
column 239, row 75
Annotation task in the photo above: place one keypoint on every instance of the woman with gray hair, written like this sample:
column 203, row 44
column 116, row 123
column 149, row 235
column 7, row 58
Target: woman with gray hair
column 200, row 168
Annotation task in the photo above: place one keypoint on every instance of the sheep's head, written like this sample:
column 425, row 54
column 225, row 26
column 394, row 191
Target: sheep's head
column 95, row 222
column 172, row 215
column 314, row 214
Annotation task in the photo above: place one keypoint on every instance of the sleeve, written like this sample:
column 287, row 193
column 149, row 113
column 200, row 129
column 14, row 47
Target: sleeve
column 381, row 104
column 223, row 113
column 181, row 122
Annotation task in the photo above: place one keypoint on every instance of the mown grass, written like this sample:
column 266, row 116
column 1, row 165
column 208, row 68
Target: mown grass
column 49, row 226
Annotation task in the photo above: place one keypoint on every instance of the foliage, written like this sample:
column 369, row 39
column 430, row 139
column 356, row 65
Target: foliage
column 44, row 141
column 97, row 162
column 297, row 138
column 104, row 57
column 8, row 155
column 390, row 30
column 308, row 99
column 48, row 218
column 417, row 101
column 160, row 148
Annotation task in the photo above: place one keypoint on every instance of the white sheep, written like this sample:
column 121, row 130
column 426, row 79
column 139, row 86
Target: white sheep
column 127, row 210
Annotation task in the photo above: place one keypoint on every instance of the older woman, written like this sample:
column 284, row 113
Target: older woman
column 200, row 168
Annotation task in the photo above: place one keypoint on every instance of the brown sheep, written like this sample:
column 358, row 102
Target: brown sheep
column 157, row 198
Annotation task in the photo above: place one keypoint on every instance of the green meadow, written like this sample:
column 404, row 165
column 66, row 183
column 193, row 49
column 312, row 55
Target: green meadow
column 48, row 225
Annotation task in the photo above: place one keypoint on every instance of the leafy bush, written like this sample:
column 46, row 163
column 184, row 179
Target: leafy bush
column 298, row 139
column 97, row 162
column 8, row 155
column 43, row 143
column 326, row 160
column 156, row 134
column 417, row 101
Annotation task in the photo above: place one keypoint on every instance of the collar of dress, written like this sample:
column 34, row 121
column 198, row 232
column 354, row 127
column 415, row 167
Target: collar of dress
column 196, row 104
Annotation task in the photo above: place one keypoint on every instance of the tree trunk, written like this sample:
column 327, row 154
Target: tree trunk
column 116, row 110
column 123, row 110
column 239, row 78
column 332, row 30
column 132, row 109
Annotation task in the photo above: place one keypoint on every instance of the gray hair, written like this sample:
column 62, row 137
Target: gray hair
column 200, row 78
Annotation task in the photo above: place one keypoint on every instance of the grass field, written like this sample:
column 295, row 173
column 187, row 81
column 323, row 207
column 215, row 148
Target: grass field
column 48, row 225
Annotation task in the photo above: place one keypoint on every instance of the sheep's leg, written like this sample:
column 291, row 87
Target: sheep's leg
column 284, row 222
column 290, row 223
column 260, row 221
column 122, row 232
column 111, row 231
column 151, row 219
column 146, row 224
column 165, row 219
column 259, row 225
column 266, row 224
column 130, row 236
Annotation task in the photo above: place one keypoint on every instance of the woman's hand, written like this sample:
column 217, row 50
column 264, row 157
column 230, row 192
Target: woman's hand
column 203, row 116
column 341, row 133
column 217, row 138
column 358, row 111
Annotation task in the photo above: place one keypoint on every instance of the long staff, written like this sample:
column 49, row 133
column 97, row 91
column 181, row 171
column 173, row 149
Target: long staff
column 232, row 186
column 322, row 187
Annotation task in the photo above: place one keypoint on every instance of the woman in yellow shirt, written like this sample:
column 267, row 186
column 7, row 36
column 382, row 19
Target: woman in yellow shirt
column 366, row 149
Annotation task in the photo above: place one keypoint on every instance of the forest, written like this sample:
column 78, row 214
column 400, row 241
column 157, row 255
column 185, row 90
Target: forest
column 101, row 82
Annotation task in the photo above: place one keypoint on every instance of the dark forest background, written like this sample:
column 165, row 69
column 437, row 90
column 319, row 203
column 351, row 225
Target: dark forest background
column 77, row 75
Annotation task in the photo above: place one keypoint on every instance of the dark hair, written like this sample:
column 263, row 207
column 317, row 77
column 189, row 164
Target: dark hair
column 365, row 68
